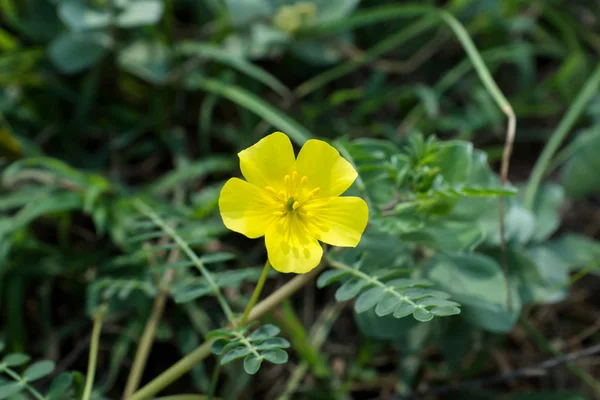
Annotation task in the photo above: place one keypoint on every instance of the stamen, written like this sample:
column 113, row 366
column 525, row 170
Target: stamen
column 294, row 176
column 278, row 213
column 313, row 193
column 302, row 211
column 282, row 195
column 287, row 179
column 303, row 180
column 295, row 205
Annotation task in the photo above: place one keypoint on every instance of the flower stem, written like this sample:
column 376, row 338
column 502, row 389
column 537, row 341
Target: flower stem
column 91, row 371
column 189, row 361
column 256, row 294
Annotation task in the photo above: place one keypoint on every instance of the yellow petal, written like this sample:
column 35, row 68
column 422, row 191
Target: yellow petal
column 268, row 161
column 245, row 208
column 325, row 168
column 339, row 221
column 290, row 248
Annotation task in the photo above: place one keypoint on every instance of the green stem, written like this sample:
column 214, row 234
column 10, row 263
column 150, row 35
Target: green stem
column 91, row 371
column 141, row 356
column 189, row 361
column 256, row 294
column 17, row 378
column 589, row 90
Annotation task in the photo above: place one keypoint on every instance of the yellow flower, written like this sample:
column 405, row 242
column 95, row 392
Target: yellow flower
column 293, row 202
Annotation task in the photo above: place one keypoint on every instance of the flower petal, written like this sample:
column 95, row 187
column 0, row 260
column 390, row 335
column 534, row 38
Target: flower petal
column 290, row 248
column 268, row 161
column 325, row 168
column 246, row 208
column 339, row 221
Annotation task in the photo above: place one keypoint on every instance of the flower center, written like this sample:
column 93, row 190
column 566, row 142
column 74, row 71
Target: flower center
column 295, row 195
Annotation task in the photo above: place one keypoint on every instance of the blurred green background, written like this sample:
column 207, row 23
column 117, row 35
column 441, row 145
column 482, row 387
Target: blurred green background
column 106, row 101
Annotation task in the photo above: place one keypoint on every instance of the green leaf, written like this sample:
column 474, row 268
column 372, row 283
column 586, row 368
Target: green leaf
column 368, row 299
column 577, row 250
column 454, row 160
column 234, row 354
column 275, row 356
column 15, row 359
column 140, row 12
column 59, row 386
column 10, row 389
column 404, row 309
column 330, row 276
column 388, row 304
column 38, row 370
column 350, row 289
column 217, row 257
column 477, row 283
column 298, row 133
column 445, row 311
column 150, row 61
column 80, row 17
column 218, row 346
column 272, row 343
column 242, row 12
column 74, row 52
column 422, row 315
column 580, row 175
column 546, row 210
column 252, row 364
column 224, row 56
column 264, row 332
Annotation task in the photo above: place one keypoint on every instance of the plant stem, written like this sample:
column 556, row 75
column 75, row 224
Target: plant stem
column 256, row 294
column 189, row 361
column 91, row 371
column 493, row 89
column 18, row 378
column 141, row 355
column 589, row 89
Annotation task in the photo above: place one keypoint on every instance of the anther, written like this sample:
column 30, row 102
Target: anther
column 303, row 180
column 294, row 176
column 295, row 205
column 287, row 179
column 278, row 213
column 313, row 193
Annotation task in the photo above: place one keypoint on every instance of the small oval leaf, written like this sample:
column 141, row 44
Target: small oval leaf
column 403, row 310
column 445, row 311
column 38, row 370
column 330, row 276
column 275, row 356
column 234, row 354
column 252, row 364
column 388, row 303
column 264, row 332
column 368, row 299
column 15, row 359
column 10, row 389
column 350, row 289
column 421, row 314
column 59, row 386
